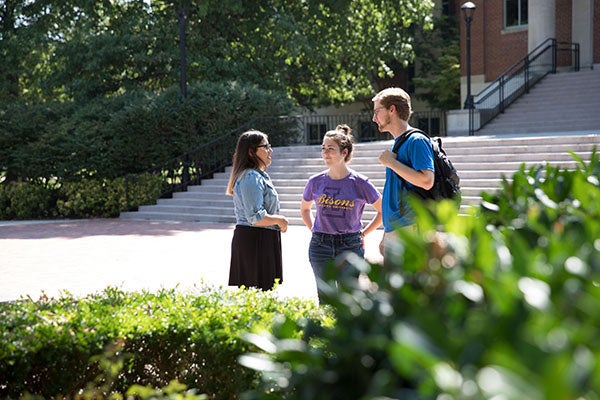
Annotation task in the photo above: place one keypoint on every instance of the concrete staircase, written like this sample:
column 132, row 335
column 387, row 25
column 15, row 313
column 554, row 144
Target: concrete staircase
column 561, row 102
column 481, row 161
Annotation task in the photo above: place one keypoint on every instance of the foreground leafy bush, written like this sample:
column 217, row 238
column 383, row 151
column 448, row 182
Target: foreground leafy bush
column 111, row 341
column 502, row 304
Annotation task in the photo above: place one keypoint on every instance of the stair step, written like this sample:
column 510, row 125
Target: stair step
column 482, row 161
column 162, row 216
column 542, row 110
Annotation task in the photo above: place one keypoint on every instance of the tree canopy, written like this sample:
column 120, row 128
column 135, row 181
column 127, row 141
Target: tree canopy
column 320, row 52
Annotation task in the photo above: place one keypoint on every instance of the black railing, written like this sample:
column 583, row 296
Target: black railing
column 432, row 122
column 192, row 167
column 521, row 77
column 363, row 128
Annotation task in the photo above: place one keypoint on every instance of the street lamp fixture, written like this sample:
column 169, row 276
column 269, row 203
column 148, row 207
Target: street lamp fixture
column 468, row 9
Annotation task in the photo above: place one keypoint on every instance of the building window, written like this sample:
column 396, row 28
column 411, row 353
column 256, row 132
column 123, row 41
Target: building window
column 515, row 13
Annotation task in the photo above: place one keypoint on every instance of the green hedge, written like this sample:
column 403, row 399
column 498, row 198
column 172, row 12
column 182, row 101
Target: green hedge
column 25, row 200
column 111, row 341
column 502, row 304
column 88, row 198
column 128, row 133
column 69, row 160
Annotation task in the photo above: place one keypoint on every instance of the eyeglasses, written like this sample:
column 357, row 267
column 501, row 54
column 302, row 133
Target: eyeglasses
column 266, row 146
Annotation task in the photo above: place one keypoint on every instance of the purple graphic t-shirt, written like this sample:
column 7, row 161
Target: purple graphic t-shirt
column 339, row 202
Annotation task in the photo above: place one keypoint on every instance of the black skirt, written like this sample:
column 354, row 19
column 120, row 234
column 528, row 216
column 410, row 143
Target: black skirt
column 255, row 257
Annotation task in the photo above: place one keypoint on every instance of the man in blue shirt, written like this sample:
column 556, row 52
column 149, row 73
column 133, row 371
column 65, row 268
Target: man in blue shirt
column 413, row 162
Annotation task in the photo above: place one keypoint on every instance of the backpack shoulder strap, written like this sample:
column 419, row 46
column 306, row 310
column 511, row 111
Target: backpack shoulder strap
column 404, row 137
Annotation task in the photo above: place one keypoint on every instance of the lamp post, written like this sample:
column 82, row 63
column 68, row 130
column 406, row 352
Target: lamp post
column 468, row 9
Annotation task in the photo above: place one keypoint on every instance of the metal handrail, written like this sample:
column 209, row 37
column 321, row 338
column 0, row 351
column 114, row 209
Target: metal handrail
column 519, row 78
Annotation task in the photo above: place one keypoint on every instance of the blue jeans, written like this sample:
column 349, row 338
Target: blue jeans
column 325, row 247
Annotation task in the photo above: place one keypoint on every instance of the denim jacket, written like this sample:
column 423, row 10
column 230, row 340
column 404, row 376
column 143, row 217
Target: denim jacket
column 254, row 196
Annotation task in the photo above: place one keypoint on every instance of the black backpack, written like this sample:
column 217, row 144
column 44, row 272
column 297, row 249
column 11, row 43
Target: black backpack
column 447, row 181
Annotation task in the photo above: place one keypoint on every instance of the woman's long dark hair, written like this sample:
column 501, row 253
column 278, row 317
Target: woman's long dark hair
column 245, row 157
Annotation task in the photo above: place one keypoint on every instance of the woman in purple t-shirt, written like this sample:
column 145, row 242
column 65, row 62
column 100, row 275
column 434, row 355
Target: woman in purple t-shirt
column 340, row 195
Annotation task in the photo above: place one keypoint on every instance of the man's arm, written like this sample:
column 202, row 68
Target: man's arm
column 423, row 178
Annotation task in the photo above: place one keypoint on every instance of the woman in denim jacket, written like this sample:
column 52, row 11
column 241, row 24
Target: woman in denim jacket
column 256, row 259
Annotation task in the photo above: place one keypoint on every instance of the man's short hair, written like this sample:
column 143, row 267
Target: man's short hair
column 399, row 98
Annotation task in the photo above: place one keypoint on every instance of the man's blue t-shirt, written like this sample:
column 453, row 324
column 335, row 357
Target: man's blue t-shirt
column 417, row 153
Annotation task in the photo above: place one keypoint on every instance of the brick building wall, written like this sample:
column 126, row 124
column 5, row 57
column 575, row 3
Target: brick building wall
column 495, row 49
column 564, row 18
column 564, row 30
column 504, row 47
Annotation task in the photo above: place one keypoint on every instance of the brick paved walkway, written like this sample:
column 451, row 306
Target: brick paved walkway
column 86, row 256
